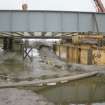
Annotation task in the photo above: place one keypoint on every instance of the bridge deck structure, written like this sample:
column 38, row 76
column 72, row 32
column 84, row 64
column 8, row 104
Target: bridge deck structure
column 51, row 21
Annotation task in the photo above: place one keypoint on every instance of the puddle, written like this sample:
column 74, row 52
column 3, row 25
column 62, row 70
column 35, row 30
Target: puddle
column 90, row 91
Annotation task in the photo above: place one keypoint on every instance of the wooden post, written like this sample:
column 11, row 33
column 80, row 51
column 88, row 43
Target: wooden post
column 59, row 51
column 89, row 56
column 79, row 55
column 5, row 43
column 10, row 44
column 72, row 55
column 23, row 47
column 67, row 53
column 54, row 48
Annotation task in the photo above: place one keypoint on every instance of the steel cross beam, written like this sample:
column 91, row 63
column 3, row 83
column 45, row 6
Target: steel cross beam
column 50, row 21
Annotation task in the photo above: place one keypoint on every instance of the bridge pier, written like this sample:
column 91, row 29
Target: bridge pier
column 8, row 43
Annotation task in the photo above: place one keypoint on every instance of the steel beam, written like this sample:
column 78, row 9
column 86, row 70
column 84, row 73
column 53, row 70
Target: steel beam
column 51, row 21
column 42, row 37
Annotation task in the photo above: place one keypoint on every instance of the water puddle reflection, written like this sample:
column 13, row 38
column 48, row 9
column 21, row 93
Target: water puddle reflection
column 83, row 92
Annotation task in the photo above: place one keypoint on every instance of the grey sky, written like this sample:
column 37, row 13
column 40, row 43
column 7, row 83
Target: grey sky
column 67, row 5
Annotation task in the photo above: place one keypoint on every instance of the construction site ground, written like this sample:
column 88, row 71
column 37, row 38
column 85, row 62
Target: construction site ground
column 44, row 65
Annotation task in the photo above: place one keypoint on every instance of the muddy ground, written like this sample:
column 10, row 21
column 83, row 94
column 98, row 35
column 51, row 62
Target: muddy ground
column 21, row 97
column 13, row 68
column 45, row 64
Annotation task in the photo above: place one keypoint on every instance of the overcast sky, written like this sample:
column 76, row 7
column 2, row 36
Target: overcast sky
column 67, row 5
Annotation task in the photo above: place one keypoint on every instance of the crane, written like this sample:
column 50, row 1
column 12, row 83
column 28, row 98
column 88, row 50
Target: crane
column 100, row 6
